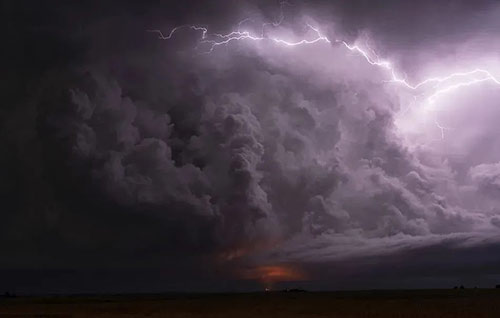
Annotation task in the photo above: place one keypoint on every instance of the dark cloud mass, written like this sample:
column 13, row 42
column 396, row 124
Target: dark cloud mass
column 130, row 163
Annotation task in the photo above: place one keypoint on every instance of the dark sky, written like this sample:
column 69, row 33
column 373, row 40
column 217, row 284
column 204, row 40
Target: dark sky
column 134, row 164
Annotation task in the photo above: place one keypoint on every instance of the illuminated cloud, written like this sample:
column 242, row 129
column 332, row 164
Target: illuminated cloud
column 264, row 136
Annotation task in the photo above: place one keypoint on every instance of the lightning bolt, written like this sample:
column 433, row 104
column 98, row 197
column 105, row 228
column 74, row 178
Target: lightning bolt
column 441, row 85
column 161, row 36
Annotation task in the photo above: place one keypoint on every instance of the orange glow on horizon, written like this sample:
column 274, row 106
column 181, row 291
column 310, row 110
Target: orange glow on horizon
column 270, row 274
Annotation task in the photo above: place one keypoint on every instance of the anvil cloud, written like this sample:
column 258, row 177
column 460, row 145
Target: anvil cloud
column 208, row 162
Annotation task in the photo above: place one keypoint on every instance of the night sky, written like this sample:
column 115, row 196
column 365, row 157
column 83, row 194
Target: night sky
column 314, row 144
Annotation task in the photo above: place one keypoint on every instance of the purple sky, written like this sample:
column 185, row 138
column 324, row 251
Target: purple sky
column 132, row 163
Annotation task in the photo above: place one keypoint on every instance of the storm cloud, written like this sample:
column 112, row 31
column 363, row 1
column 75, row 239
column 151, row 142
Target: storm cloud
column 123, row 151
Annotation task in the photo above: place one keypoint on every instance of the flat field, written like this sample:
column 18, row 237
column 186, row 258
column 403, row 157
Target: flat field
column 415, row 303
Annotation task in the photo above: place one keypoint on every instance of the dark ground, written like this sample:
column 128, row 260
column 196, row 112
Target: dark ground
column 418, row 303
